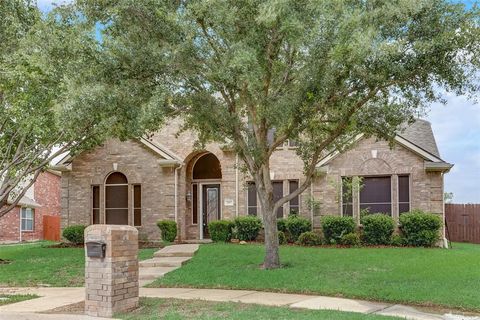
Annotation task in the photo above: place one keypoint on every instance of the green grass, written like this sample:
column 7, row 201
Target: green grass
column 36, row 264
column 14, row 298
column 171, row 309
column 429, row 277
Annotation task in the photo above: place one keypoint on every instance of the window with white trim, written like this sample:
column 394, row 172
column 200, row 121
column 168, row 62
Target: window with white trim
column 252, row 209
column 28, row 219
column 294, row 204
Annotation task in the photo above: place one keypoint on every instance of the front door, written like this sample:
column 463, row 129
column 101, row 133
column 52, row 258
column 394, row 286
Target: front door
column 210, row 206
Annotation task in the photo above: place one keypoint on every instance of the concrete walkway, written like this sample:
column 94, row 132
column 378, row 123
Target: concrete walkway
column 55, row 297
column 165, row 260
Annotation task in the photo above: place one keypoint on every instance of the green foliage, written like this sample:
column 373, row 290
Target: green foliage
column 420, row 229
column 397, row 241
column 377, row 229
column 74, row 234
column 168, row 229
column 220, row 230
column 247, row 227
column 335, row 227
column 350, row 239
column 282, row 238
column 282, row 225
column 296, row 225
column 309, row 238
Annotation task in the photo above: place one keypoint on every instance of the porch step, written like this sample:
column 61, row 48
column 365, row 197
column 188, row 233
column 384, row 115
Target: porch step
column 152, row 273
column 179, row 250
column 164, row 262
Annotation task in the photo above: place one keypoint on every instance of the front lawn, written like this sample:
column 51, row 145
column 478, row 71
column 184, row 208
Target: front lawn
column 37, row 264
column 430, row 277
column 171, row 309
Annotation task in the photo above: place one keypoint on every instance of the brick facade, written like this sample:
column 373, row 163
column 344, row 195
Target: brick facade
column 46, row 193
column 142, row 166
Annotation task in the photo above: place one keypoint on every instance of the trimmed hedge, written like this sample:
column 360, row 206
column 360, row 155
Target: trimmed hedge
column 397, row 241
column 297, row 225
column 420, row 229
column 168, row 229
column 377, row 229
column 350, row 239
column 282, row 238
column 309, row 238
column 247, row 227
column 335, row 227
column 282, row 225
column 74, row 234
column 220, row 230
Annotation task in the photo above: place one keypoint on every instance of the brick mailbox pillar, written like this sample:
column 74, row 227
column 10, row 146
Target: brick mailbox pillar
column 111, row 269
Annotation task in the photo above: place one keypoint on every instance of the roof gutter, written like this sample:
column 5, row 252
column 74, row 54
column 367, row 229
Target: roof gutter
column 437, row 166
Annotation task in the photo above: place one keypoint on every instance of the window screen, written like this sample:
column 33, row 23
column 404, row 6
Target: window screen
column 137, row 205
column 252, row 199
column 376, row 195
column 278, row 194
column 27, row 219
column 95, row 204
column 294, row 205
column 347, row 197
column 403, row 194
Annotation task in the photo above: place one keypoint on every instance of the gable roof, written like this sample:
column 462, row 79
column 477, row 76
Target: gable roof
column 420, row 133
column 417, row 137
column 169, row 158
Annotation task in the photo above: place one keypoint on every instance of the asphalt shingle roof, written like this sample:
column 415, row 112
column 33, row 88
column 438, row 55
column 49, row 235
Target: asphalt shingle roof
column 420, row 133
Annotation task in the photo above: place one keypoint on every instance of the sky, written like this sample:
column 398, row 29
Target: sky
column 456, row 126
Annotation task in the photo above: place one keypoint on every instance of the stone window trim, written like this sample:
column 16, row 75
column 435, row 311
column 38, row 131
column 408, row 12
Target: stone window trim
column 394, row 188
column 27, row 217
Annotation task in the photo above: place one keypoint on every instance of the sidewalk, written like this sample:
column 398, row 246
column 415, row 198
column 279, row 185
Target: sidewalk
column 55, row 297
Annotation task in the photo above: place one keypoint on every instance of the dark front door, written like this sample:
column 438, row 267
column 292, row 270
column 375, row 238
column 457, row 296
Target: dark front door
column 210, row 205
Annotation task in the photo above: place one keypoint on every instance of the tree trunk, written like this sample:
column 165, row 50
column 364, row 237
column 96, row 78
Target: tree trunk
column 272, row 258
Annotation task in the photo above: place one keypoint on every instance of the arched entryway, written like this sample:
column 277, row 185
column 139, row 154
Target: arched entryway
column 205, row 189
column 116, row 199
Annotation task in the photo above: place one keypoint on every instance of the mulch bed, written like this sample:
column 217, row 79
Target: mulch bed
column 141, row 245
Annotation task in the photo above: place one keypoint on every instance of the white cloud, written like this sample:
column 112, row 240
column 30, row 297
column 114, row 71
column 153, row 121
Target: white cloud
column 457, row 130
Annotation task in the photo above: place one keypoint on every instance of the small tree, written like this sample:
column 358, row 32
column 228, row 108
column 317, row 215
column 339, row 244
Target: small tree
column 257, row 73
column 46, row 111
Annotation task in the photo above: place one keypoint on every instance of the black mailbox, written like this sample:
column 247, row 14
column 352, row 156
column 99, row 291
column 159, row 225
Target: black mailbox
column 96, row 249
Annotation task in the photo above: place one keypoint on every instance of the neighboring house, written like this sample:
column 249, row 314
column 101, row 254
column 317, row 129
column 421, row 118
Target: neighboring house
column 141, row 182
column 26, row 221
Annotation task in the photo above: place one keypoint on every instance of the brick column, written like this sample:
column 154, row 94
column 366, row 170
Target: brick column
column 111, row 282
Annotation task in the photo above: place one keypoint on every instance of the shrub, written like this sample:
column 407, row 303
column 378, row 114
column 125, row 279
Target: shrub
column 378, row 229
column 247, row 227
column 397, row 241
column 297, row 225
column 309, row 238
column 282, row 225
column 168, row 229
column 420, row 229
column 74, row 234
column 350, row 239
column 335, row 227
column 282, row 238
column 220, row 230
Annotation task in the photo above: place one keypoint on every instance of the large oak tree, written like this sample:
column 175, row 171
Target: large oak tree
column 316, row 71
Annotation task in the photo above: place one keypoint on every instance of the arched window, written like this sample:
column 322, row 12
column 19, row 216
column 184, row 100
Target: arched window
column 116, row 199
column 207, row 167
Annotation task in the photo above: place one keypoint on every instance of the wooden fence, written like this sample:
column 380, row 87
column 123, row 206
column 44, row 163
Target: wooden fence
column 51, row 228
column 463, row 222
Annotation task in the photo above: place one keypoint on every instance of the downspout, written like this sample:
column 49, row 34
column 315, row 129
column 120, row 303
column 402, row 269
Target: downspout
column 311, row 202
column 176, row 191
column 236, row 185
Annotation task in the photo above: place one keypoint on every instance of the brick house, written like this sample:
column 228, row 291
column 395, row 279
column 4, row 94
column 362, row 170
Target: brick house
column 138, row 182
column 25, row 221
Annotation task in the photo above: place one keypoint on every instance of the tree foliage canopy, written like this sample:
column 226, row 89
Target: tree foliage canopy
column 257, row 73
